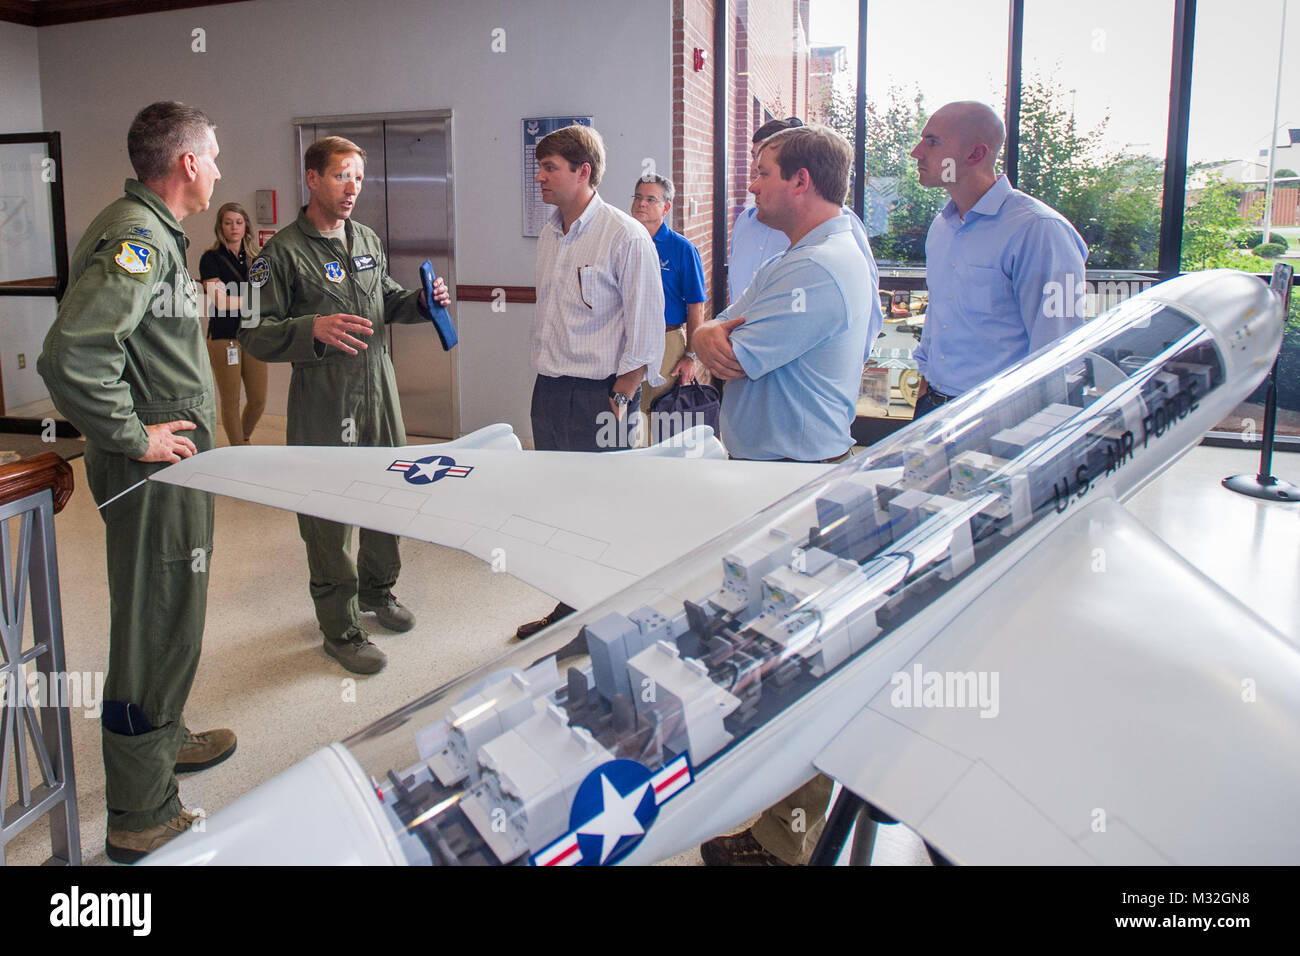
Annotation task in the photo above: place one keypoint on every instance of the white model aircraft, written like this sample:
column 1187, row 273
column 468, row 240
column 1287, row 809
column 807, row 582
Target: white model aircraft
column 962, row 625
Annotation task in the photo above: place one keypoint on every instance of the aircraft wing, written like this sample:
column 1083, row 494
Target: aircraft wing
column 578, row 526
column 1140, row 715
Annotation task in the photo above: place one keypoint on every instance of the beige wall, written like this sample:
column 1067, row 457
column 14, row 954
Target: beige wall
column 273, row 60
column 23, row 319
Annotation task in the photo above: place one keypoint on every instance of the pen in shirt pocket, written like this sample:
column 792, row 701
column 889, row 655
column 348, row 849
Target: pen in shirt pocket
column 581, row 293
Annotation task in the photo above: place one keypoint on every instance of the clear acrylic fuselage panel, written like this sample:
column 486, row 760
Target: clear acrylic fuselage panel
column 694, row 658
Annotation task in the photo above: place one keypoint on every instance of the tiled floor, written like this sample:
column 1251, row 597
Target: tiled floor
column 263, row 672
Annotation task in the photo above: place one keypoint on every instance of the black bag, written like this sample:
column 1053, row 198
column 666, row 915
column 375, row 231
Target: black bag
column 684, row 407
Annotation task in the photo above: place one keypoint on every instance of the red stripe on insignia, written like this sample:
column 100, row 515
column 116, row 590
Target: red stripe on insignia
column 671, row 779
column 570, row 850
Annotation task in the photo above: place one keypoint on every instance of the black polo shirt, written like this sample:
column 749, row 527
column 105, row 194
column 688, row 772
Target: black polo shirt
column 221, row 264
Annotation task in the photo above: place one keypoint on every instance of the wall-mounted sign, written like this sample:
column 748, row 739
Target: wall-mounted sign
column 265, row 202
column 536, row 211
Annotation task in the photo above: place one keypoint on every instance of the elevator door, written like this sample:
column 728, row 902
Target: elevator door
column 406, row 198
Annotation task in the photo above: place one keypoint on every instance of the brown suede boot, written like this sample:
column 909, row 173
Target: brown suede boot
column 204, row 750
column 128, row 846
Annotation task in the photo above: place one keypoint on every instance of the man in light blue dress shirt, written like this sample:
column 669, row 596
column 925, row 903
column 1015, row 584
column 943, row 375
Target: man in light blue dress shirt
column 1003, row 269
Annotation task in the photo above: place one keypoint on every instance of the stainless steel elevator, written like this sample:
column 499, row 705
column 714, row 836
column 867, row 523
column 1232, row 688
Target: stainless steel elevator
column 407, row 199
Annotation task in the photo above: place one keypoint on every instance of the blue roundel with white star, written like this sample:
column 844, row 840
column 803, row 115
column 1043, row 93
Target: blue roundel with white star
column 612, row 811
column 425, row 471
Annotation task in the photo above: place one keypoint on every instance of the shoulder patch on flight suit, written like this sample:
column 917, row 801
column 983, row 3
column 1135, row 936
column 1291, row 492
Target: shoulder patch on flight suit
column 135, row 258
column 334, row 271
column 259, row 272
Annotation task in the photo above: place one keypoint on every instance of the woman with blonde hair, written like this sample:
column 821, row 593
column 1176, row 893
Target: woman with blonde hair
column 223, row 270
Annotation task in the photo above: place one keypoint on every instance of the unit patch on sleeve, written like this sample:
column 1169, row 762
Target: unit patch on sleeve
column 259, row 272
column 135, row 258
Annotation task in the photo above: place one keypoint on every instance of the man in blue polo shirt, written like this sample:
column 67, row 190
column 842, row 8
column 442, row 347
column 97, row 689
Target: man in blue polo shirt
column 997, row 261
column 792, row 345
column 683, row 278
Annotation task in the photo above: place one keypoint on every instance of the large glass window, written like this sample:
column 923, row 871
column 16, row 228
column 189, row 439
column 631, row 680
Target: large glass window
column 1093, row 122
column 1235, row 96
column 1095, row 84
column 921, row 54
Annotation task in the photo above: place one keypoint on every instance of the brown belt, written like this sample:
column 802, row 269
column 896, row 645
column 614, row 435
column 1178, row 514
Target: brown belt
column 673, row 328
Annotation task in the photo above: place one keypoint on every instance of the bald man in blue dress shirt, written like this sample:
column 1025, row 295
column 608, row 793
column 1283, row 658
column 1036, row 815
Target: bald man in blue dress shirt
column 999, row 263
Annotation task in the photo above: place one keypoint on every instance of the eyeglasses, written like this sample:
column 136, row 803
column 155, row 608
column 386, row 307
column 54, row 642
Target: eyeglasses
column 652, row 200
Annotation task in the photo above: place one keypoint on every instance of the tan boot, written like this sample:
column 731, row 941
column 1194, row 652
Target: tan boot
column 128, row 846
column 204, row 750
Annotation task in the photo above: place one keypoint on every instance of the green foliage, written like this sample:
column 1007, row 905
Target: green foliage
column 1211, row 228
column 892, row 131
column 1269, row 250
column 1285, row 174
column 1248, row 238
column 1112, row 198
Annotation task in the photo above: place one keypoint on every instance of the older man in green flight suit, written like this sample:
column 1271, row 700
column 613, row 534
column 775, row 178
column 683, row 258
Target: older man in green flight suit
column 322, row 282
column 126, row 364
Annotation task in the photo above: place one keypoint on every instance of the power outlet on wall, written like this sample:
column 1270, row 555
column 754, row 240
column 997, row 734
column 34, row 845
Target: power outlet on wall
column 22, row 359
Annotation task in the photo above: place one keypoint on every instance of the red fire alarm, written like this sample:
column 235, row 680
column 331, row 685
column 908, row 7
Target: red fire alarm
column 699, row 57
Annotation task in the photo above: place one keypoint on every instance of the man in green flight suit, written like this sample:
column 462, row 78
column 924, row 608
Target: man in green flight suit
column 323, row 281
column 126, row 364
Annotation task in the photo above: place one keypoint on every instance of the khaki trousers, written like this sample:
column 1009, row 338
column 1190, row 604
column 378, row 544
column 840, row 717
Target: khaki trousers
column 674, row 350
column 789, row 830
column 252, row 373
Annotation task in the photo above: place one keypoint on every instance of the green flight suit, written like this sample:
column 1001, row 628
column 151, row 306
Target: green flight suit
column 334, row 398
column 125, row 351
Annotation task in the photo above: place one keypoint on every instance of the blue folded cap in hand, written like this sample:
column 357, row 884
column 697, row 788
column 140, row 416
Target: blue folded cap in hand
column 441, row 319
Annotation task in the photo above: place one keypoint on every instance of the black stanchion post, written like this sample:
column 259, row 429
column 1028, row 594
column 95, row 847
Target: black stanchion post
column 1264, row 484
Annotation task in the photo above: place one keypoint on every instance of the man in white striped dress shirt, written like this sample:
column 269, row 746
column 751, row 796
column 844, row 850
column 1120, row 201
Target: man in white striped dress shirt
column 598, row 328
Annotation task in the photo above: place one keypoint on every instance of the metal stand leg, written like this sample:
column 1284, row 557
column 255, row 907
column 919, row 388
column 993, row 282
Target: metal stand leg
column 864, row 838
column 49, row 738
column 1263, row 484
column 937, row 858
column 837, row 828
